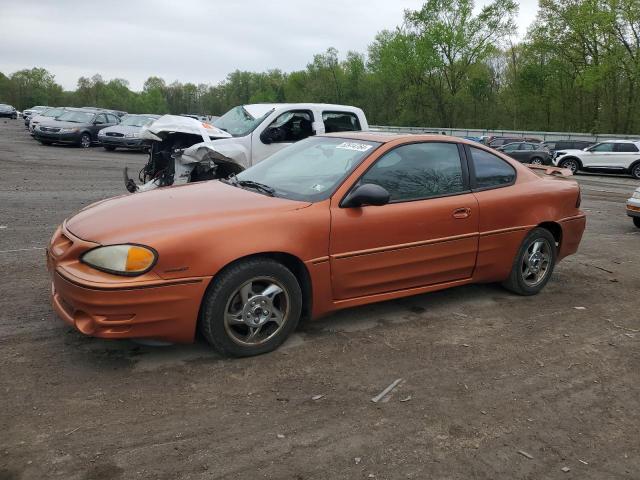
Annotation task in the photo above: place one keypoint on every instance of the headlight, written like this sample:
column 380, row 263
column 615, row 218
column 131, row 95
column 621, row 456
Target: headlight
column 68, row 130
column 636, row 195
column 102, row 133
column 121, row 259
column 132, row 135
column 560, row 153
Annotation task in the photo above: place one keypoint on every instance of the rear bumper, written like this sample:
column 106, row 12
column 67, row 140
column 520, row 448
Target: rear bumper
column 167, row 311
column 572, row 231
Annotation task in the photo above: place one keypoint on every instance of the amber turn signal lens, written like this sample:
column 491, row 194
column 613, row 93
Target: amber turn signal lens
column 139, row 259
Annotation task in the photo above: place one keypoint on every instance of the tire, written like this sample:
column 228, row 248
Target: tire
column 635, row 170
column 85, row 140
column 228, row 310
column 536, row 161
column 109, row 148
column 570, row 163
column 636, row 221
column 521, row 283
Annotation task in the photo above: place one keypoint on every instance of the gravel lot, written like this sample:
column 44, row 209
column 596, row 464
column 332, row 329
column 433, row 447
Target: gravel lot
column 486, row 374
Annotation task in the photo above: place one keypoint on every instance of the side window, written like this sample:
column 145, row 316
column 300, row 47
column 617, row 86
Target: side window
column 417, row 171
column 527, row 146
column 552, row 146
column 490, row 170
column 101, row 119
column 290, row 127
column 603, row 147
column 626, row 148
column 112, row 118
column 511, row 147
column 340, row 122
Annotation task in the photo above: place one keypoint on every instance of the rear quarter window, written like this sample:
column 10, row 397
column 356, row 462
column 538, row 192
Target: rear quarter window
column 490, row 171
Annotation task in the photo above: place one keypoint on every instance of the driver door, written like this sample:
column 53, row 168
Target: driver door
column 599, row 155
column 287, row 128
column 427, row 234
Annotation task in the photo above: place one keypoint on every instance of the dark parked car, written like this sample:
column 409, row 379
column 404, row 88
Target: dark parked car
column 36, row 118
column 117, row 113
column 75, row 126
column 29, row 112
column 495, row 141
column 555, row 145
column 527, row 152
column 7, row 111
column 126, row 133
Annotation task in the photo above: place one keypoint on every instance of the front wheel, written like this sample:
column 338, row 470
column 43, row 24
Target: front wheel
column 251, row 308
column 85, row 140
column 571, row 164
column 636, row 221
column 534, row 263
column 635, row 171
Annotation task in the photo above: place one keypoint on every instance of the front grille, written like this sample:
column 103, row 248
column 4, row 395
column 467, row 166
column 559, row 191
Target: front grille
column 114, row 134
column 49, row 129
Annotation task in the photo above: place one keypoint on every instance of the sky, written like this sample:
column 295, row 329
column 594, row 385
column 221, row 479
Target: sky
column 198, row 41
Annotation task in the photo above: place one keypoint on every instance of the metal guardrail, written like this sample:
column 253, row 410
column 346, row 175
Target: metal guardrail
column 462, row 132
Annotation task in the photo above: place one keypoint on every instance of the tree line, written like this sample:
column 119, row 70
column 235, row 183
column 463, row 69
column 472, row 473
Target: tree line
column 577, row 69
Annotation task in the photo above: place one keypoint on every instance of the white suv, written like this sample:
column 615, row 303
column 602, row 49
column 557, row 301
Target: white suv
column 614, row 155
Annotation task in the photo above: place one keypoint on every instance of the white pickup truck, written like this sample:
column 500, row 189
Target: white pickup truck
column 186, row 150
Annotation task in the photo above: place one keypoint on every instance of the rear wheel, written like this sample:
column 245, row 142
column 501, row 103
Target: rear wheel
column 85, row 140
column 251, row 308
column 636, row 221
column 635, row 170
column 571, row 164
column 536, row 161
column 534, row 263
column 109, row 148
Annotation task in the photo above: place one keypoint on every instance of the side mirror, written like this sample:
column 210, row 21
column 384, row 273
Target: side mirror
column 267, row 136
column 367, row 194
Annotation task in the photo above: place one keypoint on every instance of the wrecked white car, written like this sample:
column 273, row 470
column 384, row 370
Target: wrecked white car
column 186, row 150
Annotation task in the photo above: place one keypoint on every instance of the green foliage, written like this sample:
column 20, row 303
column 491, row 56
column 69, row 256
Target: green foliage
column 578, row 69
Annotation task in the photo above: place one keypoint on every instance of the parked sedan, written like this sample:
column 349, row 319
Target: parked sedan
column 126, row 133
column 330, row 222
column 75, row 126
column 26, row 114
column 526, row 152
column 633, row 207
column 44, row 115
column 7, row 111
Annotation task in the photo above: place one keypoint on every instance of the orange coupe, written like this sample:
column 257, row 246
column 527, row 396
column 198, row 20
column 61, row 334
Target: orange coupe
column 330, row 222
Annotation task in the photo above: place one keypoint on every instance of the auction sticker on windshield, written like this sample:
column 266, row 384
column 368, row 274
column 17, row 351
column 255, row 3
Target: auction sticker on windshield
column 358, row 147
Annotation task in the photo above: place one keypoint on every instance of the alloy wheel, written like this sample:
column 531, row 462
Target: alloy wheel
column 256, row 311
column 571, row 165
column 85, row 141
column 536, row 262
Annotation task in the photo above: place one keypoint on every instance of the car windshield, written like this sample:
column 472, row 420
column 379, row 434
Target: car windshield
column 135, row 120
column 239, row 122
column 76, row 117
column 309, row 170
column 52, row 112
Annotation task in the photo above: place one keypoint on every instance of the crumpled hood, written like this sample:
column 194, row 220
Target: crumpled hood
column 175, row 123
column 172, row 211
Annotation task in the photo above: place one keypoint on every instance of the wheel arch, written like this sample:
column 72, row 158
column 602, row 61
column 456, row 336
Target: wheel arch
column 555, row 229
column 634, row 165
column 571, row 157
column 291, row 262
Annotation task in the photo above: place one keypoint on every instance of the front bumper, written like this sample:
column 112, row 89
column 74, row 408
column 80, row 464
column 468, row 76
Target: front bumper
column 122, row 142
column 55, row 137
column 112, row 307
column 633, row 207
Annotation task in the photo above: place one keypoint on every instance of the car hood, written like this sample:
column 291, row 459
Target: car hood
column 51, row 122
column 124, row 129
column 570, row 150
column 148, row 216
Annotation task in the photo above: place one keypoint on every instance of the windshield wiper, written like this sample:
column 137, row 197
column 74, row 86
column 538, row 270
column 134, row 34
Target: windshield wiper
column 261, row 187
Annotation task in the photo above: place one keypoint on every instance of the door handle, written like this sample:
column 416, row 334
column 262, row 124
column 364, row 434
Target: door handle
column 462, row 212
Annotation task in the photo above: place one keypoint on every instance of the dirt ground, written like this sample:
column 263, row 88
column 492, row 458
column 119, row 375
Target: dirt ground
column 494, row 386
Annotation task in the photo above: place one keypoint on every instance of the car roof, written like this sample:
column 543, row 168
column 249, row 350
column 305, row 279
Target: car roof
column 620, row 141
column 386, row 137
column 265, row 107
